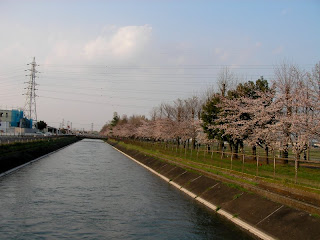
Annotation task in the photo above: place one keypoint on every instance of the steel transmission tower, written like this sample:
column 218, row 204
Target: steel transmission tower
column 30, row 107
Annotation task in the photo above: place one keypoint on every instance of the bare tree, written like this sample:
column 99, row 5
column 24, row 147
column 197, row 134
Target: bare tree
column 225, row 81
column 154, row 113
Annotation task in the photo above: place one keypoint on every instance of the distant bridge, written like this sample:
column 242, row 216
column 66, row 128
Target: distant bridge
column 8, row 139
column 91, row 136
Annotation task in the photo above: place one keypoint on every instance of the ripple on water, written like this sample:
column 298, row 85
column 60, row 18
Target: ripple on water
column 90, row 191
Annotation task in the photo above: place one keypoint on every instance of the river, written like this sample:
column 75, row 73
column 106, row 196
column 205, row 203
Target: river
column 90, row 191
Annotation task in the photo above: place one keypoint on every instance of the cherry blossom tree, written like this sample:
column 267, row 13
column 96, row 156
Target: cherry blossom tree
column 285, row 83
column 299, row 116
column 314, row 98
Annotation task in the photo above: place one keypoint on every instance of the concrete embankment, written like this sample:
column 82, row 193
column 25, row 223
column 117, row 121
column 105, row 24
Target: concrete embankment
column 18, row 154
column 258, row 215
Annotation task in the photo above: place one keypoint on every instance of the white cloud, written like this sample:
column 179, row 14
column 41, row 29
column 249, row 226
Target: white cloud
column 123, row 42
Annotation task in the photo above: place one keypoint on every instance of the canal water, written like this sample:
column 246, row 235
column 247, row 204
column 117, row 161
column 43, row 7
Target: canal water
column 90, row 191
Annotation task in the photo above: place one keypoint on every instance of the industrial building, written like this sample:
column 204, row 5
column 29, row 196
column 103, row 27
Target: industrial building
column 12, row 119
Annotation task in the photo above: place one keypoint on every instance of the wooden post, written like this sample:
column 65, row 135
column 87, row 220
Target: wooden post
column 242, row 161
column 231, row 159
column 197, row 153
column 257, row 166
column 274, row 165
column 185, row 151
column 296, row 169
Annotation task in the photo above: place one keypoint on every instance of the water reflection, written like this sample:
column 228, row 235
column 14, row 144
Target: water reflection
column 90, row 191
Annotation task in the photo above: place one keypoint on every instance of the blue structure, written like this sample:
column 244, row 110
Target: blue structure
column 16, row 117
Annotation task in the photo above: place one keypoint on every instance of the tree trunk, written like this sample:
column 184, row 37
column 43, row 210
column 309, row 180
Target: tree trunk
column 231, row 146
column 236, row 150
column 254, row 152
column 241, row 147
column 285, row 154
column 193, row 143
column 221, row 145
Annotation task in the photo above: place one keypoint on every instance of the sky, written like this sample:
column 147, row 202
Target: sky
column 100, row 57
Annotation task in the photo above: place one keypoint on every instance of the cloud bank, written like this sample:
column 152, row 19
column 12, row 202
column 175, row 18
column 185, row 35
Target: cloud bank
column 124, row 42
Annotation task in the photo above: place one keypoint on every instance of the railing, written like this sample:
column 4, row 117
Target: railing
column 25, row 138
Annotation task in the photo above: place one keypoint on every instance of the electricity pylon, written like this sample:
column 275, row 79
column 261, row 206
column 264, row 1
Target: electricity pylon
column 30, row 107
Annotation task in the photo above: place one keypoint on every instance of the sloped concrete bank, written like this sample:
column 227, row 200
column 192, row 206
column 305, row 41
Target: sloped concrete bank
column 14, row 156
column 258, row 215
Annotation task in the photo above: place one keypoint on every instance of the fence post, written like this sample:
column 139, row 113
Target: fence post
column 231, row 159
column 257, row 166
column 274, row 165
column 295, row 170
column 197, row 153
column 242, row 161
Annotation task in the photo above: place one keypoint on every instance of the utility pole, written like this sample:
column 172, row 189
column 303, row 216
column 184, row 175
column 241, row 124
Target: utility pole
column 91, row 127
column 30, row 108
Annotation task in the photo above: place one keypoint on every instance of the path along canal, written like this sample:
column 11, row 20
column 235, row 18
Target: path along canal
column 90, row 191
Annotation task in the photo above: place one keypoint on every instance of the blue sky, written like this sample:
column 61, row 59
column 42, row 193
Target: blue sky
column 165, row 44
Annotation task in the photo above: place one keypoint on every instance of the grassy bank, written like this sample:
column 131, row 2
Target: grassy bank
column 246, row 171
column 13, row 155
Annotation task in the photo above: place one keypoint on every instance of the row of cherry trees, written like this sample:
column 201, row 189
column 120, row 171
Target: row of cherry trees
column 286, row 114
column 278, row 116
column 178, row 122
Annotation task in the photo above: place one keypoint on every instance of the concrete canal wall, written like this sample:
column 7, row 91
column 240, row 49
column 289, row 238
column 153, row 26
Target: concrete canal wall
column 263, row 218
column 18, row 154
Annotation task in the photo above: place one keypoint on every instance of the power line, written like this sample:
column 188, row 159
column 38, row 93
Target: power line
column 217, row 66
column 100, row 103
